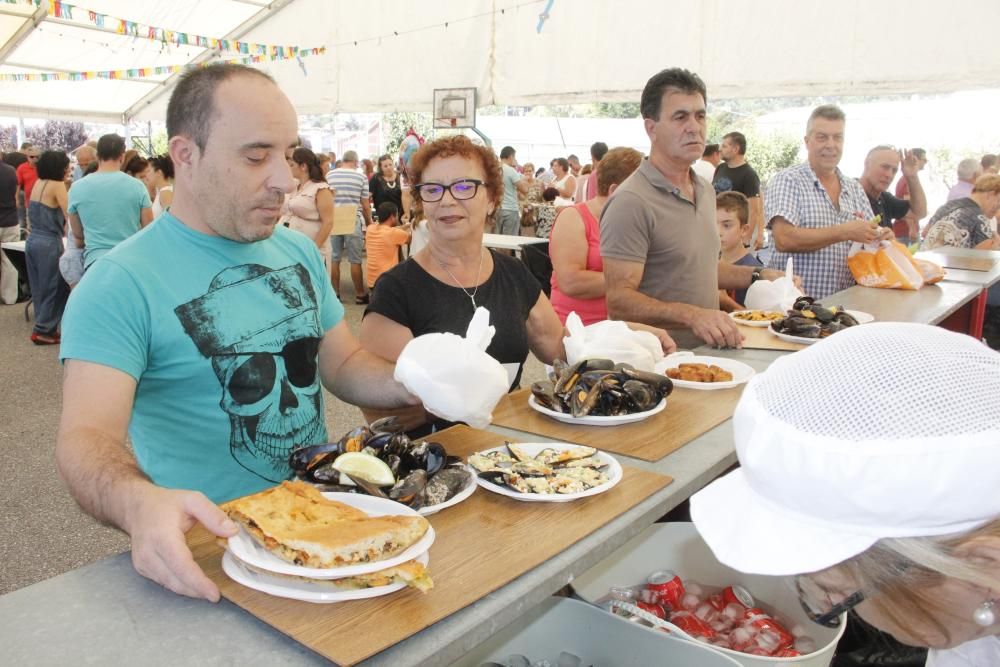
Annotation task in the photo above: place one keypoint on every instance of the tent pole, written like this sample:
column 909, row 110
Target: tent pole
column 21, row 138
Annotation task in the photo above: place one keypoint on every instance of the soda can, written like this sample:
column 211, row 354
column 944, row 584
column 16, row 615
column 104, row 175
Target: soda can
column 757, row 619
column 669, row 587
column 738, row 594
column 717, row 602
column 692, row 625
column 653, row 608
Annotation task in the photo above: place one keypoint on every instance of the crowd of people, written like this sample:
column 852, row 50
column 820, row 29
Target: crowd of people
column 225, row 311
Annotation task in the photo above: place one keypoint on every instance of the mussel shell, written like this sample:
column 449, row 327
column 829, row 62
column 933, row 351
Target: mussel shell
column 802, row 302
column 444, row 485
column 305, row 458
column 355, row 439
column 324, row 474
column 660, row 382
column 410, row 489
column 390, row 424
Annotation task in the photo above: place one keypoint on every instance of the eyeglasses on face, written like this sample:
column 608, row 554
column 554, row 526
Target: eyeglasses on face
column 818, row 606
column 465, row 188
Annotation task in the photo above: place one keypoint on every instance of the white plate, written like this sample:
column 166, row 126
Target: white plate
column 614, row 474
column 301, row 590
column 788, row 338
column 246, row 549
column 456, row 499
column 596, row 421
column 749, row 323
column 861, row 316
column 741, row 372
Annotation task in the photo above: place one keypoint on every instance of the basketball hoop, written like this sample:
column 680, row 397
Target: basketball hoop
column 446, row 122
column 454, row 108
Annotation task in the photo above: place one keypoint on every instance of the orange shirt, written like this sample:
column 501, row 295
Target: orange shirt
column 381, row 244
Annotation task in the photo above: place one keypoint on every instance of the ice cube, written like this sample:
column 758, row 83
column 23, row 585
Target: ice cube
column 694, row 588
column 733, row 611
column 690, row 601
column 518, row 660
column 805, row 644
column 567, row 659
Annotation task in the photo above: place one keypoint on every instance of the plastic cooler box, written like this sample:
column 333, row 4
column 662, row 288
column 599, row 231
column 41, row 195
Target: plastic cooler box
column 678, row 547
column 594, row 636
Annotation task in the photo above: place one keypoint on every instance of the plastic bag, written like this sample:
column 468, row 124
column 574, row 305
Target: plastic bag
column 778, row 295
column 931, row 272
column 884, row 264
column 611, row 339
column 453, row 376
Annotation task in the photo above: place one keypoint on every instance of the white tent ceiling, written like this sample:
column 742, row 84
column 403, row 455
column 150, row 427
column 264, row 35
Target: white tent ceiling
column 385, row 55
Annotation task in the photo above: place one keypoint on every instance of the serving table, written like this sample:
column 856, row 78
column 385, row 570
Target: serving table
column 104, row 613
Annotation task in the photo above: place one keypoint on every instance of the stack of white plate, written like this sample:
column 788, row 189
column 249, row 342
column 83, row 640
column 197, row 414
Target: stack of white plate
column 244, row 550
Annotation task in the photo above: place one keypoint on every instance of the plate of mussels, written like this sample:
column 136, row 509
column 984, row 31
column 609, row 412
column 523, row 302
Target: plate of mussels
column 379, row 460
column 599, row 392
column 808, row 322
column 549, row 472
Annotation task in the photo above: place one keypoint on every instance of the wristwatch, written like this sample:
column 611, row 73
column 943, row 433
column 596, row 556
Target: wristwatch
column 755, row 275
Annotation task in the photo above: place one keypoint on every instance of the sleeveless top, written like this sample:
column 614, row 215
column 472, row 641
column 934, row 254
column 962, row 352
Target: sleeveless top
column 157, row 205
column 589, row 310
column 302, row 203
column 46, row 220
column 559, row 185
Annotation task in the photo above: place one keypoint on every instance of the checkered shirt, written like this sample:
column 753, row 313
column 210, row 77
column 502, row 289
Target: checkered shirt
column 796, row 195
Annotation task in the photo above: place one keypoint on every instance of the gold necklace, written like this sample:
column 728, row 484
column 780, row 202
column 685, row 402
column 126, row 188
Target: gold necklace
column 472, row 296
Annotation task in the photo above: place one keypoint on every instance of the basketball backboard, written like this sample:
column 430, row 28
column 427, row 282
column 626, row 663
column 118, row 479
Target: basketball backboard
column 454, row 107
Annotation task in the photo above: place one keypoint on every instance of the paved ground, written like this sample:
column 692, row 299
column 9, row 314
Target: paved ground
column 42, row 531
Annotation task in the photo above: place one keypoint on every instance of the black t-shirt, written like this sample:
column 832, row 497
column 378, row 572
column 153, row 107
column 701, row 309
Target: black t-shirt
column 382, row 193
column 889, row 207
column 8, row 188
column 741, row 179
column 408, row 295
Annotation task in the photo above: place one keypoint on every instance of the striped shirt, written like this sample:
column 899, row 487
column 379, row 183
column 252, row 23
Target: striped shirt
column 796, row 195
column 350, row 188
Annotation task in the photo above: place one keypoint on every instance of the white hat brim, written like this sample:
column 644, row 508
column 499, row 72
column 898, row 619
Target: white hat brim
column 750, row 534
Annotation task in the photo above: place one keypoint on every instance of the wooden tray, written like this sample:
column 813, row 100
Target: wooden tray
column 482, row 544
column 688, row 414
column 759, row 338
column 958, row 261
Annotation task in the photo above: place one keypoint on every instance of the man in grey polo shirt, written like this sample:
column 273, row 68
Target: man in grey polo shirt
column 510, row 214
column 659, row 239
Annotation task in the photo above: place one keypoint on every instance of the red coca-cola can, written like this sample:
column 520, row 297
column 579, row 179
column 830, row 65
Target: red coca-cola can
column 653, row 608
column 669, row 587
column 760, row 621
column 737, row 594
column 718, row 604
column 692, row 625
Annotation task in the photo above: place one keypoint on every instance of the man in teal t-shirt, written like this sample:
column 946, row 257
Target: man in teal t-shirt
column 207, row 338
column 109, row 206
column 510, row 214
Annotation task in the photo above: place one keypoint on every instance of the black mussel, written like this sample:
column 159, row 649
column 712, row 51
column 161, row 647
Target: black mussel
column 802, row 302
column 660, row 382
column 398, row 444
column 582, row 400
column 395, row 464
column 427, row 456
column 544, row 393
column 390, row 424
column 304, row 459
column 832, row 328
column 558, row 366
column 378, row 441
column 821, row 313
column 410, row 489
column 845, row 318
column 800, row 326
column 366, row 486
column 324, row 474
column 337, row 488
column 568, row 377
column 355, row 439
column 436, row 458
column 444, row 485
column 644, row 395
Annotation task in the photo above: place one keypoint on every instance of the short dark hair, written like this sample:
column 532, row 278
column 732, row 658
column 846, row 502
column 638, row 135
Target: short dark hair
column 740, row 141
column 163, row 164
column 15, row 158
column 110, row 147
column 136, row 165
column 988, row 160
column 919, row 153
column 573, row 157
column 305, row 156
column 735, row 202
column 827, row 112
column 710, row 149
column 386, row 210
column 598, row 150
column 563, row 162
column 550, row 194
column 674, row 77
column 191, row 109
column 506, row 152
column 51, row 165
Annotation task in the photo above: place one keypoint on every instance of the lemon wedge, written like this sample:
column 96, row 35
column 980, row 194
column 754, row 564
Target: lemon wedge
column 372, row 470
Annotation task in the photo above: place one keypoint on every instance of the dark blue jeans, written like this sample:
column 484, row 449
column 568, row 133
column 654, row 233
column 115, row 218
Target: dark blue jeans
column 48, row 289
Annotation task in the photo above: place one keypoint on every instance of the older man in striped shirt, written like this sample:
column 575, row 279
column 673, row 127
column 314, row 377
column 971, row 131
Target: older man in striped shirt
column 350, row 188
column 815, row 212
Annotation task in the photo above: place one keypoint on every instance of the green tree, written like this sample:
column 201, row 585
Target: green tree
column 770, row 153
column 8, row 138
column 396, row 124
column 57, row 135
column 613, row 110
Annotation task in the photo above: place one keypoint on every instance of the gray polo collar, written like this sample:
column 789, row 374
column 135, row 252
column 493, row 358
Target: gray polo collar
column 659, row 181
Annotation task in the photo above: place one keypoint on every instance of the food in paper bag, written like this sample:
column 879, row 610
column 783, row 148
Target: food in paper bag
column 885, row 264
column 453, row 376
column 777, row 294
column 611, row 339
column 931, row 272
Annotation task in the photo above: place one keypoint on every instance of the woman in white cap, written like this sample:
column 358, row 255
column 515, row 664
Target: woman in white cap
column 870, row 468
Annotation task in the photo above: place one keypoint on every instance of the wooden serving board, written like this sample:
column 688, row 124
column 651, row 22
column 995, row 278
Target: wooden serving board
column 482, row 544
column 759, row 338
column 949, row 261
column 688, row 414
